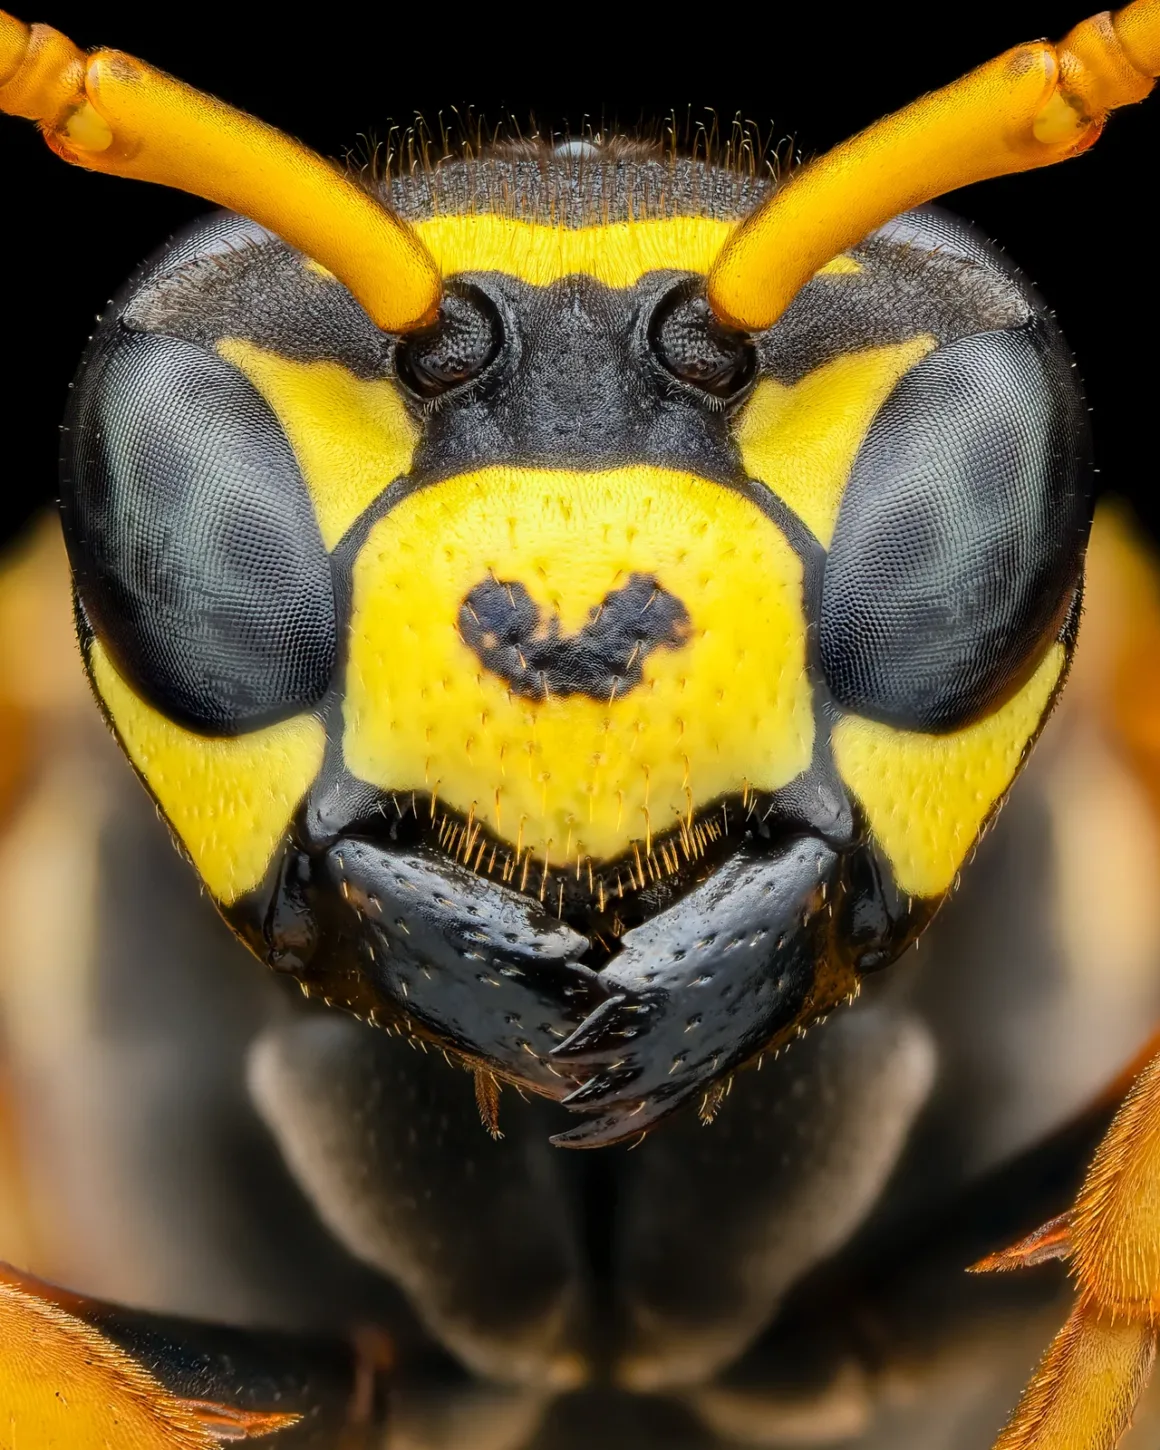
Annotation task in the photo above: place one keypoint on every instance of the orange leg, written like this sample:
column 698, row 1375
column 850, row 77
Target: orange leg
column 109, row 112
column 79, row 1374
column 1033, row 106
column 1085, row 1390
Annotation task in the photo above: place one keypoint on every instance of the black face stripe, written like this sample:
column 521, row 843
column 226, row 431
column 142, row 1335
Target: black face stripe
column 505, row 627
column 264, row 293
column 925, row 273
column 576, row 385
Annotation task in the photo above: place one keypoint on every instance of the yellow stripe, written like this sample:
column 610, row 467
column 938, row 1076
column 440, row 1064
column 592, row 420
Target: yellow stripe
column 351, row 437
column 801, row 440
column 927, row 796
column 229, row 801
column 618, row 254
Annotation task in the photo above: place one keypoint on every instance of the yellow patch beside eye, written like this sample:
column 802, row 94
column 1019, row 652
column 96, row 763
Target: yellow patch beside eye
column 618, row 254
column 725, row 704
column 229, row 800
column 352, row 438
column 801, row 440
column 926, row 796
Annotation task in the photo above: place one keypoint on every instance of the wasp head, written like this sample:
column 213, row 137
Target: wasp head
column 577, row 681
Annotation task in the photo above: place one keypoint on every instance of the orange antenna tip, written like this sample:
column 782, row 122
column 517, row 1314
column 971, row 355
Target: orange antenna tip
column 110, row 112
column 1033, row 106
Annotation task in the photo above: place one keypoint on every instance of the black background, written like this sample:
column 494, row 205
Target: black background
column 1083, row 231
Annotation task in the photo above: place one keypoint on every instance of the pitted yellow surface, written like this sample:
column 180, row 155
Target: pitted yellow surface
column 801, row 440
column 230, row 801
column 618, row 254
column 926, row 796
column 570, row 777
column 351, row 437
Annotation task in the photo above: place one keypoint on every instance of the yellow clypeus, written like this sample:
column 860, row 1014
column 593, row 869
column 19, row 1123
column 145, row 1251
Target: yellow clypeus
column 570, row 776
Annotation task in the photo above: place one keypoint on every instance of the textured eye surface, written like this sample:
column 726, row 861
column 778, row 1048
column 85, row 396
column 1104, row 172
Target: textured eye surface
column 960, row 537
column 455, row 349
column 696, row 348
column 195, row 550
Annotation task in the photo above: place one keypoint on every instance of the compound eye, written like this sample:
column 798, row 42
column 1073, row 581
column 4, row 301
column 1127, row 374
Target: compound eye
column 696, row 348
column 960, row 537
column 456, row 348
column 196, row 553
